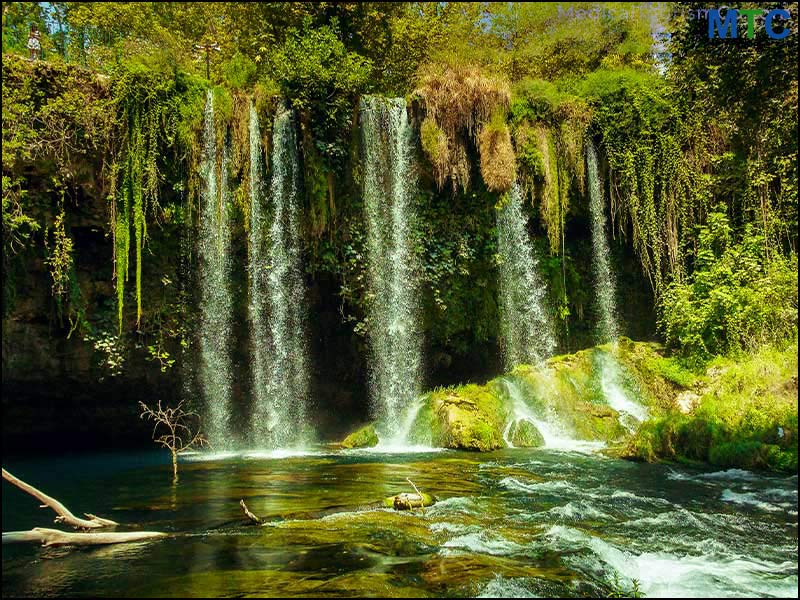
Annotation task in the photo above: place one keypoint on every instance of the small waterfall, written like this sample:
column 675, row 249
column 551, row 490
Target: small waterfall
column 280, row 351
column 394, row 330
column 214, row 254
column 605, row 284
column 554, row 435
column 527, row 332
column 631, row 412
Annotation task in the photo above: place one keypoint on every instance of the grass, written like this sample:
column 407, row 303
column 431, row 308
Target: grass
column 746, row 417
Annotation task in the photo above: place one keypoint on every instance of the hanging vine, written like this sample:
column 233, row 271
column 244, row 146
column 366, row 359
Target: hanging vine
column 153, row 111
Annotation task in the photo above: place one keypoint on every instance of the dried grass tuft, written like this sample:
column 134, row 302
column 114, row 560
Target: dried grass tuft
column 498, row 163
column 458, row 100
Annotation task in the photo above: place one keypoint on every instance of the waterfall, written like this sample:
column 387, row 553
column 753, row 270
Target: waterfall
column 214, row 254
column 258, row 269
column 554, row 434
column 393, row 265
column 631, row 412
column 278, row 329
column 605, row 284
column 527, row 331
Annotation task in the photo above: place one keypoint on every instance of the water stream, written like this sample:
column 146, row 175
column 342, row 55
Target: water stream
column 527, row 330
column 393, row 265
column 510, row 523
column 604, row 281
column 216, row 303
column 607, row 329
column 282, row 378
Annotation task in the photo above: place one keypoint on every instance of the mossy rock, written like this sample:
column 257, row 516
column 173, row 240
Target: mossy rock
column 524, row 434
column 363, row 438
column 405, row 501
column 470, row 417
column 570, row 386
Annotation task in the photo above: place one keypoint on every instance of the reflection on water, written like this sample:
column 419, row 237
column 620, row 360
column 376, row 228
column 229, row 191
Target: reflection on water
column 509, row 524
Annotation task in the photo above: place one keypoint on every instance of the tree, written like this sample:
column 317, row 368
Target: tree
column 182, row 430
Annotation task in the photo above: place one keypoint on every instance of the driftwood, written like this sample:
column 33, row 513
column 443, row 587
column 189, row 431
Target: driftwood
column 256, row 520
column 54, row 537
column 64, row 514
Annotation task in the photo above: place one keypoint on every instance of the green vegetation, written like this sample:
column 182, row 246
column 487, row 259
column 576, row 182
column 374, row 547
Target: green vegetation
column 746, row 417
column 697, row 151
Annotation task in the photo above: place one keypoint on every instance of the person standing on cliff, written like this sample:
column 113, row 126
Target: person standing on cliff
column 35, row 43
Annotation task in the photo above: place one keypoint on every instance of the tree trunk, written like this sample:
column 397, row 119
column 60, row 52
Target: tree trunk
column 64, row 514
column 54, row 537
column 174, row 465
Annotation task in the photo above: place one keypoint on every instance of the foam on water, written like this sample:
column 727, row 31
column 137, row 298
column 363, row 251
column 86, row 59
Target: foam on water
column 578, row 511
column 730, row 474
column 482, row 543
column 506, row 587
column 558, row 486
column 663, row 574
column 751, row 499
column 399, row 449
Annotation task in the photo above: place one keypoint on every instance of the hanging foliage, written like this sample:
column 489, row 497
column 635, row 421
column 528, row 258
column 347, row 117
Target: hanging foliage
column 458, row 100
column 153, row 110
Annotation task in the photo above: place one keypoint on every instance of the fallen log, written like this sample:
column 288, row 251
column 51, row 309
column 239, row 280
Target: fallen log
column 54, row 537
column 64, row 514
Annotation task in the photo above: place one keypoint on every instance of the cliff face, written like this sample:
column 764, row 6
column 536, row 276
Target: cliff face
column 68, row 375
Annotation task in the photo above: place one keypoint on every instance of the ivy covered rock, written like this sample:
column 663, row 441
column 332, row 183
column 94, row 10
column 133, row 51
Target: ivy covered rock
column 362, row 438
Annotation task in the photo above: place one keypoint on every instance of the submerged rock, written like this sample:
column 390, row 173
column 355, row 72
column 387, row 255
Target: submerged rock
column 524, row 434
column 363, row 438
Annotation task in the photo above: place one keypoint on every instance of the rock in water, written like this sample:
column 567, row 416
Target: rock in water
column 363, row 438
column 524, row 434
column 406, row 501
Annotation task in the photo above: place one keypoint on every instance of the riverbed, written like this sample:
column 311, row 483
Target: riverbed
column 510, row 523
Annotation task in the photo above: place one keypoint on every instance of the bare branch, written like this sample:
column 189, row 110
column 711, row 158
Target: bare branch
column 64, row 514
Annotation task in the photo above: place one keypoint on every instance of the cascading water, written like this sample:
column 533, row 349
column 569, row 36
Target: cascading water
column 394, row 331
column 280, row 352
column 605, row 283
column 527, row 331
column 605, row 286
column 258, row 270
column 214, row 255
column 554, row 434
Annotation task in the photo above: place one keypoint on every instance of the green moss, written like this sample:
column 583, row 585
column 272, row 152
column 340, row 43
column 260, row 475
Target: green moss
column 470, row 417
column 524, row 434
column 746, row 417
column 363, row 438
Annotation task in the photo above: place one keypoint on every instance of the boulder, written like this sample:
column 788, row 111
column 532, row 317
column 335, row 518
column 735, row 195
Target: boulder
column 362, row 438
column 524, row 434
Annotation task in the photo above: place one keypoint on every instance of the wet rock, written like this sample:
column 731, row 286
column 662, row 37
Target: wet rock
column 524, row 434
column 363, row 438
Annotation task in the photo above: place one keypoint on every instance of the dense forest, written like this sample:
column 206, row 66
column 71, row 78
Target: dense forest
column 235, row 205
